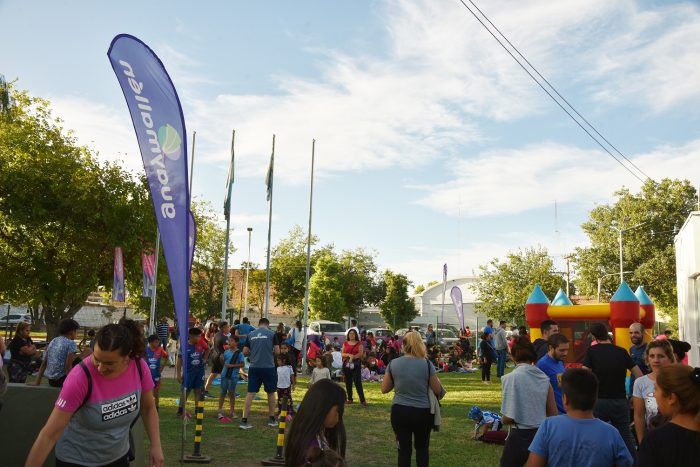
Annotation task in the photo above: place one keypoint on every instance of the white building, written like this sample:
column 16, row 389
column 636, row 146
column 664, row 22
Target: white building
column 429, row 304
column 688, row 282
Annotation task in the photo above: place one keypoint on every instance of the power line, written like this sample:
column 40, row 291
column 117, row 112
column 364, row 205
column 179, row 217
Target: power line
column 557, row 93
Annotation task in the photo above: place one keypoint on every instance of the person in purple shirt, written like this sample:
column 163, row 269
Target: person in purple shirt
column 552, row 364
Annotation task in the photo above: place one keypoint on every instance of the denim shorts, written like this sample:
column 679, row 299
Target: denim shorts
column 262, row 376
column 228, row 385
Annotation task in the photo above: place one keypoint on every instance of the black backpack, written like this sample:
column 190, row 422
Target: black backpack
column 132, row 452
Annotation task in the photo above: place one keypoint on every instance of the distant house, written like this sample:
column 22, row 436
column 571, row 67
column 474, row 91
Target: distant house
column 687, row 244
column 429, row 306
column 430, row 310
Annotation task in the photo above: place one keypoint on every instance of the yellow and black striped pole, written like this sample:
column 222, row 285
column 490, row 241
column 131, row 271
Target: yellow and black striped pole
column 279, row 456
column 197, row 457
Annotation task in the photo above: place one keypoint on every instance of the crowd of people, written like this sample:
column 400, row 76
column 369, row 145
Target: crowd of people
column 551, row 413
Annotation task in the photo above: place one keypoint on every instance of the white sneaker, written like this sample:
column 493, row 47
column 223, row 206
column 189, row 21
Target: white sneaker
column 272, row 423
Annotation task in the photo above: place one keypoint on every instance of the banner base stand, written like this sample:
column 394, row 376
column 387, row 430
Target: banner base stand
column 196, row 459
column 273, row 461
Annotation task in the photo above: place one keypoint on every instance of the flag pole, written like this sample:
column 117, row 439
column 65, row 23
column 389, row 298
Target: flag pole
column 271, row 173
column 182, row 351
column 227, row 214
column 152, row 321
column 304, row 366
column 444, row 290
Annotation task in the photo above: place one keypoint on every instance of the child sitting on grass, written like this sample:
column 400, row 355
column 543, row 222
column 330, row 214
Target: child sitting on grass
column 578, row 439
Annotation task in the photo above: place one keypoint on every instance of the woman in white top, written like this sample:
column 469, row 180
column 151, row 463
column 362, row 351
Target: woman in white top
column 657, row 355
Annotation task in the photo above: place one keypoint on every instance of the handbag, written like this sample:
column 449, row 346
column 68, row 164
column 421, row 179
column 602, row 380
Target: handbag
column 349, row 364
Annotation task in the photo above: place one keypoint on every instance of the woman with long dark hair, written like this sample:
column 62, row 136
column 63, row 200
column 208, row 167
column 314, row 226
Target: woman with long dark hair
column 100, row 400
column 318, row 425
column 676, row 443
column 353, row 354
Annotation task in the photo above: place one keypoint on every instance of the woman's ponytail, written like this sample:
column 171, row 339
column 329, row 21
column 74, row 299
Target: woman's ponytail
column 125, row 337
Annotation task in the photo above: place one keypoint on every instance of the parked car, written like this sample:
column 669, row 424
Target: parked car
column 330, row 329
column 380, row 334
column 13, row 319
column 446, row 338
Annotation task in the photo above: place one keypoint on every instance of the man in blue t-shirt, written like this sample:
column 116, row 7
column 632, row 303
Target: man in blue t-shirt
column 243, row 330
column 552, row 364
column 262, row 347
column 578, row 439
column 196, row 354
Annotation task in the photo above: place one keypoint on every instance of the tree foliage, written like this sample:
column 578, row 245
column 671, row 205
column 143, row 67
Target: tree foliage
column 397, row 308
column 288, row 268
column 326, row 299
column 648, row 251
column 62, row 212
column 502, row 287
column 343, row 284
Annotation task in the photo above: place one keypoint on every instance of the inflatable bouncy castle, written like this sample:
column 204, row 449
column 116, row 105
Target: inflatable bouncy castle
column 625, row 307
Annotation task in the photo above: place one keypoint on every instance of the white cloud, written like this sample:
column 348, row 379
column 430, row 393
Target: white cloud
column 654, row 59
column 101, row 128
column 425, row 97
column 510, row 181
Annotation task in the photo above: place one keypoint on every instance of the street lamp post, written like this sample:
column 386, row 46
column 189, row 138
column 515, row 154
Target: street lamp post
column 247, row 270
column 619, row 241
column 600, row 280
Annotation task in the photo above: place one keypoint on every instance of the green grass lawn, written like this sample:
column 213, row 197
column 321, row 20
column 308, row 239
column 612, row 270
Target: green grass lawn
column 370, row 437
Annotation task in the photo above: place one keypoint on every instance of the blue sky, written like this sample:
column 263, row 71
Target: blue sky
column 433, row 146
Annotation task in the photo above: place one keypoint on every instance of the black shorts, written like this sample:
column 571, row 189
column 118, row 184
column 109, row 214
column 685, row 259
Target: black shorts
column 217, row 365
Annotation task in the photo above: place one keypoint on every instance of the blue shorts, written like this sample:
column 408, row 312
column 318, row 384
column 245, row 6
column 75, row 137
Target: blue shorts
column 228, row 385
column 195, row 380
column 262, row 376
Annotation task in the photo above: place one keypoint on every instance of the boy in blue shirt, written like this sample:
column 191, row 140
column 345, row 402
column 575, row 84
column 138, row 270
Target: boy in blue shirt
column 197, row 354
column 578, row 439
column 233, row 361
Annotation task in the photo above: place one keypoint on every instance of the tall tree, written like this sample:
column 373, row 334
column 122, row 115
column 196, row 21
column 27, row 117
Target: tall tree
column 207, row 281
column 326, row 300
column 62, row 212
column 647, row 251
column 288, row 268
column 397, row 308
column 342, row 285
column 502, row 287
